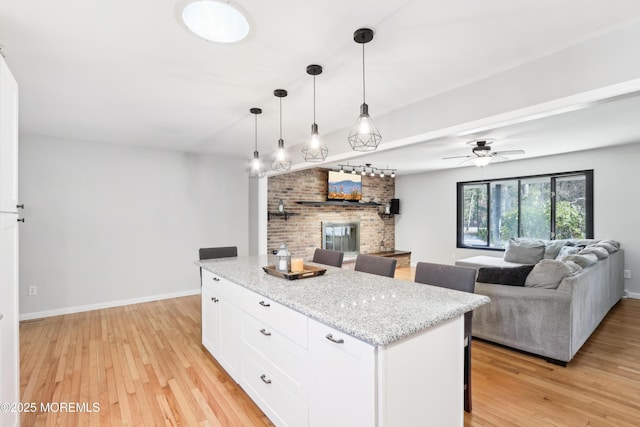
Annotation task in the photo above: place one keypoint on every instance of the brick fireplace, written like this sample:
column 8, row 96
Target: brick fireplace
column 302, row 229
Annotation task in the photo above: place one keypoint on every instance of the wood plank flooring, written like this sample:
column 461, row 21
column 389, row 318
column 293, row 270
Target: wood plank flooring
column 144, row 365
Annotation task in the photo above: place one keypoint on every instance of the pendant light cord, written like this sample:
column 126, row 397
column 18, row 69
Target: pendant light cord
column 314, row 99
column 363, row 84
column 280, row 118
column 256, row 129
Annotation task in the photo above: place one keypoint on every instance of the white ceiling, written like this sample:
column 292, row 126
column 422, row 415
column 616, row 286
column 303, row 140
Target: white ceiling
column 126, row 72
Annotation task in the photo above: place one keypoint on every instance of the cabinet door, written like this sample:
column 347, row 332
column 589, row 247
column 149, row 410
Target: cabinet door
column 220, row 330
column 9, row 342
column 210, row 321
column 8, row 140
column 343, row 379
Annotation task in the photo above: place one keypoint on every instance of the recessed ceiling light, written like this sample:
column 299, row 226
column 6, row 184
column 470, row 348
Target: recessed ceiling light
column 215, row 21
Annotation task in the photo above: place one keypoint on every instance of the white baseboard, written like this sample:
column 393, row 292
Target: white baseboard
column 633, row 295
column 81, row 308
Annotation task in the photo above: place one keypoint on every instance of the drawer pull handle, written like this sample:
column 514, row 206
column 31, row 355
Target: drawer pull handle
column 214, row 299
column 265, row 333
column 264, row 379
column 332, row 339
column 215, row 279
column 264, row 304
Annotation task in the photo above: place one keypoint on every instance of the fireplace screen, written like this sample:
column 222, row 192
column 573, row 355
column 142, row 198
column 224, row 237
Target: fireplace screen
column 344, row 237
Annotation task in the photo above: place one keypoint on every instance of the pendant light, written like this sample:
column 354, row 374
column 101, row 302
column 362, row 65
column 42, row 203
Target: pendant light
column 364, row 135
column 314, row 150
column 256, row 169
column 280, row 161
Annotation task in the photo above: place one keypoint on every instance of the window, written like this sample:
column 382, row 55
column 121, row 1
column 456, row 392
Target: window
column 556, row 206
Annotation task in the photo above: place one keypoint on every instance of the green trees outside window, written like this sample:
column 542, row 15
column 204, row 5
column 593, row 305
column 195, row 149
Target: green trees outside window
column 557, row 206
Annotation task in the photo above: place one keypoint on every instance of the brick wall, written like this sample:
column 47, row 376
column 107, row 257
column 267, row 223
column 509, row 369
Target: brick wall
column 303, row 231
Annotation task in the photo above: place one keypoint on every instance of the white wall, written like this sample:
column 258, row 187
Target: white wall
column 427, row 226
column 108, row 223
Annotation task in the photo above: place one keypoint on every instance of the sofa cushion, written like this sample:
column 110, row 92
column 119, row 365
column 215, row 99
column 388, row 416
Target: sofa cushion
column 608, row 246
column 566, row 251
column 548, row 273
column 583, row 260
column 553, row 247
column 601, row 253
column 513, row 276
column 524, row 251
column 611, row 242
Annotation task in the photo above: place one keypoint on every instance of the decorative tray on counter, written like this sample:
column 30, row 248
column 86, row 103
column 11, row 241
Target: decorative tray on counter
column 308, row 271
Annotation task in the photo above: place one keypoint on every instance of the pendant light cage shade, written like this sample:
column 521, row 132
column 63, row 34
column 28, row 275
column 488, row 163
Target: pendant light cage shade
column 314, row 150
column 280, row 160
column 256, row 169
column 364, row 135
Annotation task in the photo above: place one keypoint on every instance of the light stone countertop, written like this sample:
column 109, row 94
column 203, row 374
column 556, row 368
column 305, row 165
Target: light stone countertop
column 375, row 309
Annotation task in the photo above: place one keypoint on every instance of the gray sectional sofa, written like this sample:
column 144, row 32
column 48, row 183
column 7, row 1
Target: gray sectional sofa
column 560, row 297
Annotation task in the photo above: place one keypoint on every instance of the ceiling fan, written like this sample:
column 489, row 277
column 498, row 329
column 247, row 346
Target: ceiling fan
column 482, row 154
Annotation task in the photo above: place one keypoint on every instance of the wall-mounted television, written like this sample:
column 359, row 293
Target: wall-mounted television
column 344, row 186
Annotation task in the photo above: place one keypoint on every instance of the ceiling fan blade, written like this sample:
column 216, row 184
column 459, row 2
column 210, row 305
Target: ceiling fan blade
column 508, row 152
column 457, row 157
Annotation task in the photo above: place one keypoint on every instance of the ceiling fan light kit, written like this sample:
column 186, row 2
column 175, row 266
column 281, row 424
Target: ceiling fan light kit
column 364, row 135
column 482, row 154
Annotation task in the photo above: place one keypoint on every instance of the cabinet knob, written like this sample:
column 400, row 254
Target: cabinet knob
column 21, row 220
column 215, row 279
column 264, row 304
column 265, row 333
column 264, row 379
column 332, row 339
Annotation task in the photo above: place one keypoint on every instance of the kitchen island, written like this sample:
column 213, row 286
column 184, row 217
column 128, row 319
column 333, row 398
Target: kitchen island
column 343, row 349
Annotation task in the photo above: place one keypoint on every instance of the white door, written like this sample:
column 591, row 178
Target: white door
column 9, row 345
column 8, row 140
column 9, row 341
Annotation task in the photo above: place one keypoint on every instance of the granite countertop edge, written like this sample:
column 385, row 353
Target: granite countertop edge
column 352, row 327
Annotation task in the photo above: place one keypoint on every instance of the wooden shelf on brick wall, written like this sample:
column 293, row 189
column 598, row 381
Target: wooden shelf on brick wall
column 344, row 203
column 285, row 215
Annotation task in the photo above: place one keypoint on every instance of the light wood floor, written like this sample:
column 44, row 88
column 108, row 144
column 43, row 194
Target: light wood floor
column 144, row 365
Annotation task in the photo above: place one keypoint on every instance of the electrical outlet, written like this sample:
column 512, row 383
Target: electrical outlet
column 627, row 274
column 33, row 290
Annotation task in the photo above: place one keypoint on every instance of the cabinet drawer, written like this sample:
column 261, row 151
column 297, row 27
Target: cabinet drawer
column 269, row 392
column 286, row 321
column 220, row 285
column 279, row 354
column 340, row 340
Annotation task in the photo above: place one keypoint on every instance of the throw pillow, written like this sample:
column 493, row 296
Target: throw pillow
column 583, row 261
column 553, row 247
column 601, row 253
column 548, row 273
column 524, row 251
column 609, row 247
column 513, row 276
column 611, row 242
column 566, row 251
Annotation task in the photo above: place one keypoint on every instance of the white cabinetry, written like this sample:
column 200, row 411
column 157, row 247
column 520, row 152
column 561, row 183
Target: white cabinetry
column 220, row 321
column 9, row 331
column 343, row 379
column 301, row 372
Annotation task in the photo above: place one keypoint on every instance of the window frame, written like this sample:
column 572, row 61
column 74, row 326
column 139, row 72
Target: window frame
column 588, row 174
